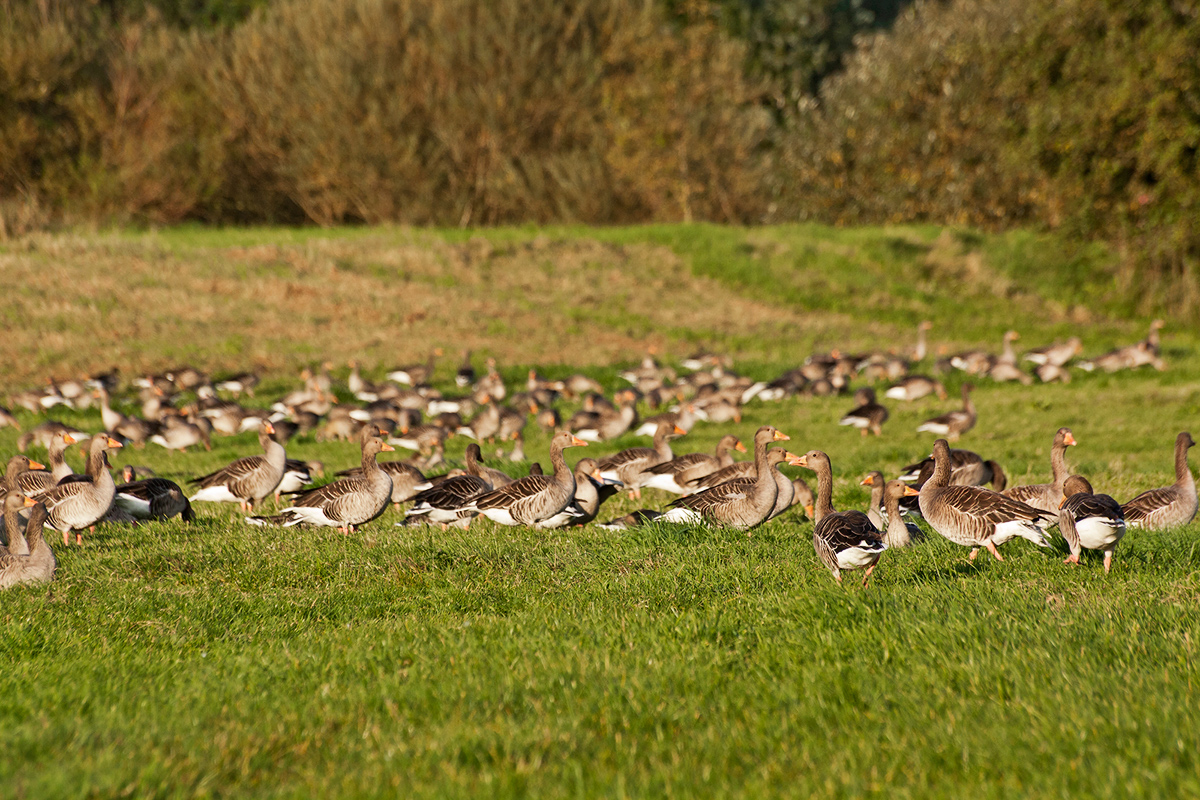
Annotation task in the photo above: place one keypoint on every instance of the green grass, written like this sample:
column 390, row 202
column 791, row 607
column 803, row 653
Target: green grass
column 221, row 660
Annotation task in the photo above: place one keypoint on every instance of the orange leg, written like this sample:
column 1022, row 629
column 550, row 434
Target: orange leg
column 66, row 538
column 867, row 574
column 992, row 549
column 1072, row 559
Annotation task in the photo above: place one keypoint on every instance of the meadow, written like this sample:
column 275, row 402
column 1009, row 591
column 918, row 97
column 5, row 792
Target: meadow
column 224, row 660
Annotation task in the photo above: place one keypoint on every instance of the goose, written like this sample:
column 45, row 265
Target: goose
column 39, row 565
column 44, row 434
column 491, row 384
column 534, row 498
column 976, row 517
column 35, row 483
column 7, row 419
column 629, row 466
column 743, row 503
column 802, row 495
column 631, row 520
column 134, row 429
column 236, row 385
column 407, row 479
column 346, row 503
column 867, row 415
column 465, row 375
column 954, row 423
column 604, row 424
column 844, row 540
column 967, row 468
column 899, row 533
column 248, row 480
column 1094, row 521
column 875, row 480
column 17, row 466
column 685, row 418
column 591, row 490
column 179, row 434
column 83, row 500
column 14, row 538
column 1057, row 354
column 450, row 502
column 415, row 374
column 297, row 475
column 914, row 387
column 1170, row 506
column 674, row 475
column 921, row 349
column 1047, row 496
column 153, row 498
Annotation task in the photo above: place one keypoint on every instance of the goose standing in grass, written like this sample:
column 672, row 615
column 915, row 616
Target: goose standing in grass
column 899, row 532
column 407, row 479
column 844, row 540
column 297, row 475
column 1094, row 521
column 1048, row 496
column 534, row 498
column 248, row 480
column 591, row 489
column 867, row 415
column 742, row 503
column 976, row 517
column 954, row 423
column 630, row 466
column 875, row 505
column 39, row 565
column 451, row 502
column 1057, row 354
column 1170, row 506
column 83, row 500
column 674, row 475
column 153, row 498
column 17, row 466
column 347, row 503
column 35, row 483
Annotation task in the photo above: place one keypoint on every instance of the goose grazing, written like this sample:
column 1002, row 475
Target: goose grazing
column 451, row 502
column 39, row 565
column 535, row 498
column 1085, row 519
column 867, row 415
column 914, row 387
column 35, row 483
column 346, row 503
column 631, row 520
column 1170, row 506
column 742, row 503
column 844, row 540
column 629, row 466
column 152, row 498
column 249, row 479
column 591, row 489
column 899, row 533
column 1047, row 496
column 976, row 517
column 954, row 423
column 673, row 476
column 83, row 500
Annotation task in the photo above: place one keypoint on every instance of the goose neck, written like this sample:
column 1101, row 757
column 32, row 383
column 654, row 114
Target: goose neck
column 824, row 505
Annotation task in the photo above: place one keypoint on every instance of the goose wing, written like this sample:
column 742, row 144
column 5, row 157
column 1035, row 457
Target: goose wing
column 991, row 507
column 1148, row 502
column 513, row 493
column 454, row 492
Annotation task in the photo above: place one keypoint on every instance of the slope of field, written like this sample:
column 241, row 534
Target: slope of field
column 219, row 659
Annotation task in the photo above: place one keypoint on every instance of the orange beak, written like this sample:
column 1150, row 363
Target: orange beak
column 36, row 465
column 794, row 460
column 1061, row 502
column 780, row 437
column 69, row 439
column 808, row 509
column 577, row 442
column 268, row 427
column 1070, row 439
column 387, row 447
column 910, row 491
column 741, row 448
column 30, row 502
column 867, row 481
column 114, row 444
column 680, row 431
column 801, row 461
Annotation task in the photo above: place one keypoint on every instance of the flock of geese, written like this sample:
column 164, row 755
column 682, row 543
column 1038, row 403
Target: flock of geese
column 946, row 489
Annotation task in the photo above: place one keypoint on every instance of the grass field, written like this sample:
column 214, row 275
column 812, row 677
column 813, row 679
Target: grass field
column 221, row 660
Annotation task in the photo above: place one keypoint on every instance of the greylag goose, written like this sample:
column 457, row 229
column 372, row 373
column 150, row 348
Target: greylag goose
column 967, row 468
column 465, row 375
column 83, row 500
column 914, row 387
column 534, row 498
column 673, row 476
column 450, row 502
column 867, row 415
column 17, row 466
column 1170, row 506
column 1057, row 354
column 741, row 503
column 346, row 503
column 976, row 517
column 35, row 483
column 1005, row 367
column 1085, row 519
column 297, row 475
column 14, row 538
column 134, row 429
column 245, row 382
column 631, row 520
column 45, row 434
column 1048, row 496
column 922, row 348
column 248, row 480
column 802, row 495
column 844, row 540
column 38, row 566
column 179, row 434
column 407, row 480
column 954, row 423
column 415, row 374
column 875, row 505
column 629, row 466
column 899, row 532
column 605, row 424
column 591, row 490
column 7, row 419
column 154, row 498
